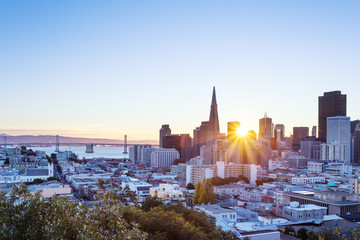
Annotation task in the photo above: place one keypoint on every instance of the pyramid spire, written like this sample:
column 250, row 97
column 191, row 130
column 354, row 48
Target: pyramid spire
column 213, row 101
column 214, row 129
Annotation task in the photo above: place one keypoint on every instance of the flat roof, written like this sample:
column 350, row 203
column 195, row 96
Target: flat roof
column 259, row 232
column 312, row 198
column 216, row 209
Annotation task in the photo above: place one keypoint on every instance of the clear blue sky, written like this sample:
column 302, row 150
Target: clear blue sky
column 109, row 68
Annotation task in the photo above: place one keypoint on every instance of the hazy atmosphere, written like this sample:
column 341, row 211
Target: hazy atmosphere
column 105, row 69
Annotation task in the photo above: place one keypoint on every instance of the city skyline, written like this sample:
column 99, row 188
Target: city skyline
column 109, row 69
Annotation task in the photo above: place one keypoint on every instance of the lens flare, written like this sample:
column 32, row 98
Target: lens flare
column 241, row 132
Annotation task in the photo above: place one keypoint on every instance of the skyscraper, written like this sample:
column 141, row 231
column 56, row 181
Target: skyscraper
column 233, row 142
column 356, row 144
column 232, row 129
column 313, row 131
column 200, row 137
column 180, row 142
column 338, row 132
column 265, row 127
column 330, row 105
column 279, row 132
column 165, row 130
column 298, row 134
column 214, row 128
column 213, row 132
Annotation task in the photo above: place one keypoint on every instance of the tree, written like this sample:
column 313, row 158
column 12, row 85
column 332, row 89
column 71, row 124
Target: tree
column 289, row 230
column 302, row 233
column 53, row 179
column 245, row 179
column 36, row 181
column 259, row 182
column 150, row 203
column 197, row 193
column 190, row 186
column 59, row 169
column 30, row 216
column 204, row 192
column 23, row 150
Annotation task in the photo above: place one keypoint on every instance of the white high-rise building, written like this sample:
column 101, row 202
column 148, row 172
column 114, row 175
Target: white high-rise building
column 164, row 157
column 338, row 132
column 332, row 151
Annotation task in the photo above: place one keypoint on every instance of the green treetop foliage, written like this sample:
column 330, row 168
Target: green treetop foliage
column 204, row 192
column 30, row 216
column 217, row 181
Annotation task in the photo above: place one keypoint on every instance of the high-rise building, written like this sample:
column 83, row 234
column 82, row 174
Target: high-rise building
column 338, row 132
column 354, row 125
column 165, row 130
column 356, row 144
column 313, row 131
column 298, row 134
column 233, row 142
column 185, row 144
column 213, row 132
column 181, row 142
column 140, row 153
column 308, row 148
column 265, row 127
column 279, row 132
column 200, row 137
column 330, row 105
column 145, row 154
column 172, row 141
column 164, row 157
column 232, row 128
column 214, row 128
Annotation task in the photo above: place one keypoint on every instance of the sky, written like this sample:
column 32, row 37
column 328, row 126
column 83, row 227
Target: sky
column 109, row 68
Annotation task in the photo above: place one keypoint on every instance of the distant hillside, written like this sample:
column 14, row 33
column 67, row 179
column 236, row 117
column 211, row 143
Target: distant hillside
column 52, row 139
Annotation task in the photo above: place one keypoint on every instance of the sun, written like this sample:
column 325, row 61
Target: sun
column 241, row 132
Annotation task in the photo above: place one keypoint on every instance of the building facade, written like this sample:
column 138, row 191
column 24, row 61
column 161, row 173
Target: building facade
column 338, row 132
column 164, row 157
column 330, row 105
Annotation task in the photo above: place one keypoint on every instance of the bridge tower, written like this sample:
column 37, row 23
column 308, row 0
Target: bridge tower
column 57, row 144
column 125, row 145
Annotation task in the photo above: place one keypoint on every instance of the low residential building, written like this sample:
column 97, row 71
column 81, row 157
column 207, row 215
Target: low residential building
column 179, row 170
column 297, row 162
column 196, row 173
column 218, row 212
column 261, row 235
column 50, row 189
column 339, row 169
column 307, row 180
column 315, row 167
column 268, row 219
column 246, row 213
column 297, row 212
column 9, row 177
column 355, row 185
column 142, row 189
column 335, row 202
column 168, row 192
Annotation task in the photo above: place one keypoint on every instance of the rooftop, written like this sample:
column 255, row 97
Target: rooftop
column 216, row 209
